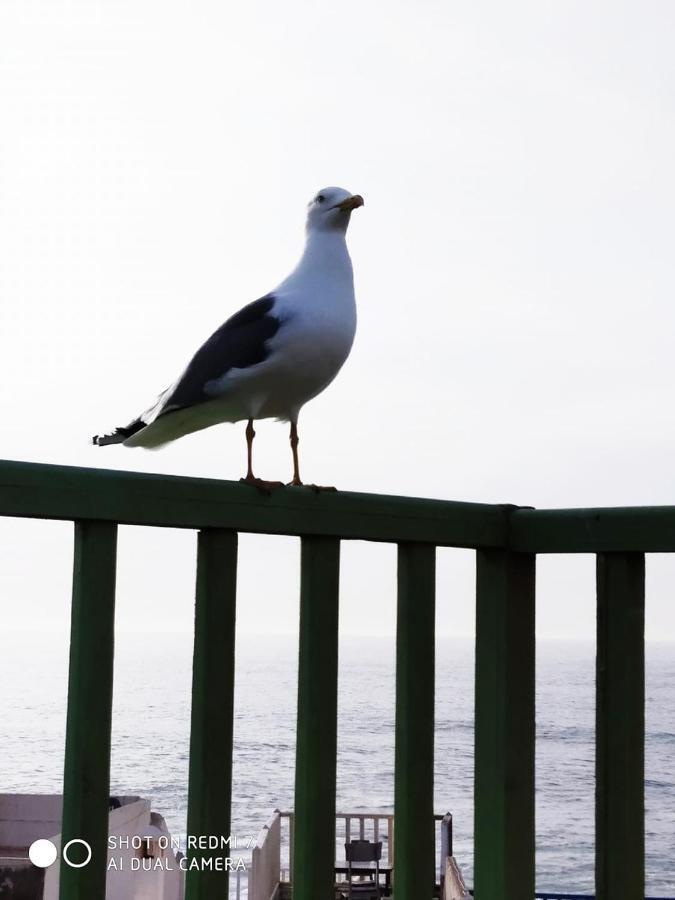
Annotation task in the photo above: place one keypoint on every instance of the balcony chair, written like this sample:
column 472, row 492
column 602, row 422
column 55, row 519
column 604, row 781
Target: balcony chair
column 358, row 851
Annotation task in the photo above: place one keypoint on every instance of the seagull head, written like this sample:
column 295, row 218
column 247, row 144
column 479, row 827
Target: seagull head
column 330, row 209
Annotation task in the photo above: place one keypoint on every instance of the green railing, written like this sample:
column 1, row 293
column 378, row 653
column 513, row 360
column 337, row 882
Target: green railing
column 506, row 539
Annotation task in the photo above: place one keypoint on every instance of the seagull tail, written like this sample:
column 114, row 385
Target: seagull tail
column 119, row 435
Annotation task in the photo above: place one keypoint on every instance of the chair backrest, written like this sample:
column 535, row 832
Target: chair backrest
column 363, row 851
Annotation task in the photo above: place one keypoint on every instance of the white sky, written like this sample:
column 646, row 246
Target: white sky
column 514, row 266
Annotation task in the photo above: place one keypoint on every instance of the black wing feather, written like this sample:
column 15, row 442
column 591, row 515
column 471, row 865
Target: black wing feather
column 238, row 343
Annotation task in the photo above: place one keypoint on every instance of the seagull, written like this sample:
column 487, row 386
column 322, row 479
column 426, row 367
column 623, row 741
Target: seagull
column 267, row 360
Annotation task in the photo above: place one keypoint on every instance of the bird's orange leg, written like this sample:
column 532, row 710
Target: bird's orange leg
column 295, row 440
column 265, row 486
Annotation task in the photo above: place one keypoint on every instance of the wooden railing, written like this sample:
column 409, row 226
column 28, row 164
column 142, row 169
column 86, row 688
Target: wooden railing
column 506, row 539
column 372, row 826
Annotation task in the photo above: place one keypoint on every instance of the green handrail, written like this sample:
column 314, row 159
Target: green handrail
column 506, row 538
column 35, row 490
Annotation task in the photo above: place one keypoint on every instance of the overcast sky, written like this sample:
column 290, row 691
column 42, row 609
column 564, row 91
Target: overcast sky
column 514, row 268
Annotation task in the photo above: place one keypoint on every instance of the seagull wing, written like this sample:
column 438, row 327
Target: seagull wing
column 238, row 343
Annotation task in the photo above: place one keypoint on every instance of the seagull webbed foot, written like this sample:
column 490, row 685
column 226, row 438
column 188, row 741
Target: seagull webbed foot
column 265, row 487
column 317, row 488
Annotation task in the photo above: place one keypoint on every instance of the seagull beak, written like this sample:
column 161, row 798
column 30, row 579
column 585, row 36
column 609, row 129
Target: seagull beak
column 351, row 203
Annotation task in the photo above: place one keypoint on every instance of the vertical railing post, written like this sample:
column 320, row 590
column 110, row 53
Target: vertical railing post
column 414, row 755
column 86, row 778
column 315, row 767
column 505, row 700
column 211, row 731
column 620, row 727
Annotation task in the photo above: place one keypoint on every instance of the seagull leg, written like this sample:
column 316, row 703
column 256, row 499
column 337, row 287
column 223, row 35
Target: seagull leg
column 265, row 486
column 250, row 434
column 295, row 440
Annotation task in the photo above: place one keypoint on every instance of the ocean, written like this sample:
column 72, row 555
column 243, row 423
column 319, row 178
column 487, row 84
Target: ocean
column 151, row 738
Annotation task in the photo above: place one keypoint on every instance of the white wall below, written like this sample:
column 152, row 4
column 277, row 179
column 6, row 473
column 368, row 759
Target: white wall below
column 147, row 872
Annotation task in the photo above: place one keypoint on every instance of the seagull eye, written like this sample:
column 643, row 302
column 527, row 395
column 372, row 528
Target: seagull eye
column 320, row 198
